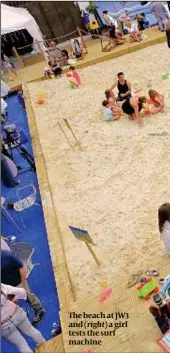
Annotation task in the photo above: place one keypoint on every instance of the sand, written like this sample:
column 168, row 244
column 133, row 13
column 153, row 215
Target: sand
column 114, row 187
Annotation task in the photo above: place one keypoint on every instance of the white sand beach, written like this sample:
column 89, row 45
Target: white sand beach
column 114, row 187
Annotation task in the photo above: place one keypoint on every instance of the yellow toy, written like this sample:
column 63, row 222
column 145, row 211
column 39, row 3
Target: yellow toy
column 102, row 284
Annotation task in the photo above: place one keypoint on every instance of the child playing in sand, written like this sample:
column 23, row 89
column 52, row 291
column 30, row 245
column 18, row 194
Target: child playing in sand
column 164, row 225
column 157, row 100
column 73, row 77
column 109, row 112
column 48, row 72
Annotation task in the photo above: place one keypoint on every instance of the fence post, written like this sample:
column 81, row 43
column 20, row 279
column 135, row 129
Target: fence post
column 18, row 57
column 82, row 40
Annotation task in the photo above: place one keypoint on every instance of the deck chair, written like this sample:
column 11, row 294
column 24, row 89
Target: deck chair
column 24, row 252
column 23, row 202
column 109, row 43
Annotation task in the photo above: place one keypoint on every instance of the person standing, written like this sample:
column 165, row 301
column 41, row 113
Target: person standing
column 122, row 19
column 4, row 89
column 161, row 15
column 164, row 225
column 14, row 274
column 6, row 64
column 14, row 320
column 168, row 34
column 123, row 86
column 4, row 107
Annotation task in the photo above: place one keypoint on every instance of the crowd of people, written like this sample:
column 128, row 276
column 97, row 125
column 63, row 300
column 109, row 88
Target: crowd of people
column 134, row 25
column 14, row 284
column 131, row 105
column 57, row 58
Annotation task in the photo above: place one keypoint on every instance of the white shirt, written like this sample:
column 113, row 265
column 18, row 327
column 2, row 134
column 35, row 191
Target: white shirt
column 3, row 106
column 7, row 306
column 166, row 236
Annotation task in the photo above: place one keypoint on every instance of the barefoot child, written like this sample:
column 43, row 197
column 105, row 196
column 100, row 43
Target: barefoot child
column 164, row 225
column 111, row 113
column 73, row 77
column 157, row 100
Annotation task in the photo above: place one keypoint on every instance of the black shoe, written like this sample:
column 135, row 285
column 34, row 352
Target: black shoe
column 38, row 317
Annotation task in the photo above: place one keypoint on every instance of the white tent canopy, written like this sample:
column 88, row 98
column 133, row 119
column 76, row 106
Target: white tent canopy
column 14, row 19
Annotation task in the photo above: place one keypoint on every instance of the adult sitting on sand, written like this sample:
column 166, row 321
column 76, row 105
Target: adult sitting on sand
column 123, row 86
column 132, row 108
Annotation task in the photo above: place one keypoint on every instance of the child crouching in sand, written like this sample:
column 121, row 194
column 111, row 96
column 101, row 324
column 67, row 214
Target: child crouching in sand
column 157, row 100
column 111, row 112
column 73, row 77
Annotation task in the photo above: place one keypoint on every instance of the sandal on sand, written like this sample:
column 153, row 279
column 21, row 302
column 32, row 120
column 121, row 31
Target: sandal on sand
column 137, row 274
column 152, row 273
column 132, row 282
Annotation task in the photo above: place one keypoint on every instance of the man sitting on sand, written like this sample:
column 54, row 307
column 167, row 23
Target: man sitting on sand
column 123, row 86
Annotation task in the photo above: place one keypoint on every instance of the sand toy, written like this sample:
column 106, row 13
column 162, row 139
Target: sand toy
column 105, row 294
column 146, row 287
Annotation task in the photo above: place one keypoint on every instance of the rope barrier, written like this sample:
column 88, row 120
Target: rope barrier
column 47, row 40
column 65, row 35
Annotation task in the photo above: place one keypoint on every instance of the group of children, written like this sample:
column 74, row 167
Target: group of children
column 132, row 105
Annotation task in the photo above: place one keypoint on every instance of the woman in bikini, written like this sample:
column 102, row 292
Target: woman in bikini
column 132, row 108
column 157, row 100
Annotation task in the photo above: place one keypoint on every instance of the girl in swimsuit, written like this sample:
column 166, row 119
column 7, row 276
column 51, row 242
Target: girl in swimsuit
column 132, row 108
column 157, row 100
